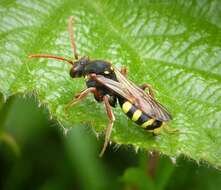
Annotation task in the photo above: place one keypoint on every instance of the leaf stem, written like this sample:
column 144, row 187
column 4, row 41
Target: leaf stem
column 4, row 136
column 152, row 163
column 4, row 110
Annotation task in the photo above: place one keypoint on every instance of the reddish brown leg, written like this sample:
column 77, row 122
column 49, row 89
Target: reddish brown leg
column 123, row 71
column 110, row 124
column 80, row 96
column 150, row 89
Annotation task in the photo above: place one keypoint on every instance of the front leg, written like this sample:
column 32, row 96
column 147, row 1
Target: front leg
column 110, row 124
column 80, row 96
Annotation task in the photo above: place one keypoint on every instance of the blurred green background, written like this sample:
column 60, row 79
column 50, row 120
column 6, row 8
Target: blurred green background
column 36, row 153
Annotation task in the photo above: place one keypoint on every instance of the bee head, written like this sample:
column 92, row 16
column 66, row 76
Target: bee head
column 78, row 67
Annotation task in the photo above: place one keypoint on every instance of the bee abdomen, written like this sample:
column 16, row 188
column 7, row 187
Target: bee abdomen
column 139, row 117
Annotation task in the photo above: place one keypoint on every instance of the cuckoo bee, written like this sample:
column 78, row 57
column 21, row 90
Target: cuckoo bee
column 111, row 86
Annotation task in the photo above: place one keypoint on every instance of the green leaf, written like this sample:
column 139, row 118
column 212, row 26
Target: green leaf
column 151, row 173
column 174, row 46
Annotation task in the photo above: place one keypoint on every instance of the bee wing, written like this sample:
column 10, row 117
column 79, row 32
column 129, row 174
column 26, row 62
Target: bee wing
column 144, row 101
column 116, row 87
column 136, row 95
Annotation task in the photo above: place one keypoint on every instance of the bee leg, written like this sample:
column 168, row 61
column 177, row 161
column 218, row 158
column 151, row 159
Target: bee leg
column 110, row 124
column 123, row 71
column 169, row 129
column 80, row 96
column 150, row 89
column 157, row 131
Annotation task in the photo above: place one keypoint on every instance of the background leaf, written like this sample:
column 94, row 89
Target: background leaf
column 173, row 46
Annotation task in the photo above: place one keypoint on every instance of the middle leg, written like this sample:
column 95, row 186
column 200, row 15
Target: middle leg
column 123, row 71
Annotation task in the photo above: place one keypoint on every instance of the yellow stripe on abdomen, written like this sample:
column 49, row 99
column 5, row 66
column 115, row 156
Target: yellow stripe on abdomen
column 148, row 123
column 136, row 115
column 126, row 106
column 139, row 117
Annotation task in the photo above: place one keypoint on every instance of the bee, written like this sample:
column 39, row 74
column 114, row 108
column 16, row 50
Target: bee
column 111, row 86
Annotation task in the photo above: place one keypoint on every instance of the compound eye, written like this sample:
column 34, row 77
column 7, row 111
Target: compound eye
column 73, row 72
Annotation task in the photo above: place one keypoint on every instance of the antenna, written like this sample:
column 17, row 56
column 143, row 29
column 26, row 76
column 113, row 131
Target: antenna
column 71, row 35
column 73, row 46
column 51, row 57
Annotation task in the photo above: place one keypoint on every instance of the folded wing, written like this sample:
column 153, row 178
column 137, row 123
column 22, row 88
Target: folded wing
column 135, row 95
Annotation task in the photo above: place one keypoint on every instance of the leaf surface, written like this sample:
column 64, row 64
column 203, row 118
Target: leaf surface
column 175, row 47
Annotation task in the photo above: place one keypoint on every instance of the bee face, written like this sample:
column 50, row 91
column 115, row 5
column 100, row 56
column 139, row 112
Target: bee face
column 78, row 67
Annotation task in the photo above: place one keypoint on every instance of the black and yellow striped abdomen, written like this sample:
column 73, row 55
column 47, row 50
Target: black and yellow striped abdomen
column 138, row 116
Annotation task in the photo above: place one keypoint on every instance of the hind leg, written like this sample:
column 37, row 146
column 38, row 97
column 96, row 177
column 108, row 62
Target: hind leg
column 150, row 89
column 110, row 124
